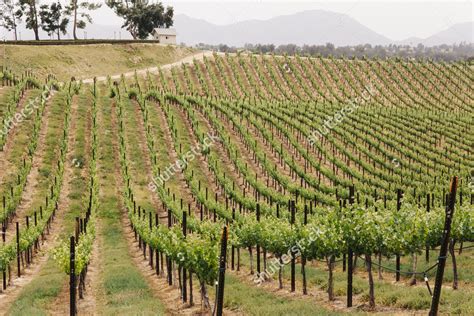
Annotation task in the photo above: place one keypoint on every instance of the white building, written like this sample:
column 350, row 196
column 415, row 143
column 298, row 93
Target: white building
column 165, row 36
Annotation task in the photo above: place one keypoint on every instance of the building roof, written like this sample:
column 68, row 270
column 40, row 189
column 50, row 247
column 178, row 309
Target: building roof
column 165, row 31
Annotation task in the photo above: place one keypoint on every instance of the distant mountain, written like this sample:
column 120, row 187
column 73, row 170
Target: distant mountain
column 462, row 32
column 455, row 34
column 308, row 27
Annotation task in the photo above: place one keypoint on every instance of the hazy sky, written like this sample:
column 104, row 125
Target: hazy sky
column 395, row 19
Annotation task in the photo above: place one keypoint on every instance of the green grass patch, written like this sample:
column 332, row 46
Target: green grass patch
column 125, row 291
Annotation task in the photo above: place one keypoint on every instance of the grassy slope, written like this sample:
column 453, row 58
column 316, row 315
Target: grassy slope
column 86, row 61
column 124, row 290
column 411, row 299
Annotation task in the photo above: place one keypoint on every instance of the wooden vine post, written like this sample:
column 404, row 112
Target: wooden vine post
column 350, row 257
column 4, row 272
column 185, row 294
column 293, row 259
column 72, row 277
column 168, row 259
column 233, row 247
column 444, row 247
column 18, row 254
column 303, row 257
column 427, row 250
column 397, row 259
column 258, row 245
column 222, row 265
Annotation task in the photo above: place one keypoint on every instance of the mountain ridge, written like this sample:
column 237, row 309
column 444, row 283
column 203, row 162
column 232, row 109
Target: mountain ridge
column 299, row 28
column 312, row 27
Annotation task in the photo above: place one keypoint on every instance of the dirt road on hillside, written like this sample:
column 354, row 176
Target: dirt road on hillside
column 187, row 60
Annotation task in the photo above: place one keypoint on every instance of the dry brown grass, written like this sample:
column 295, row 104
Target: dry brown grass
column 86, row 61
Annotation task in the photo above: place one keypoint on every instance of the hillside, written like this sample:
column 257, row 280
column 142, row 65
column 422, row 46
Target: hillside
column 315, row 165
column 85, row 61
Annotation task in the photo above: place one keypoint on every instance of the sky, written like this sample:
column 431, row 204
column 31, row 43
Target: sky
column 396, row 20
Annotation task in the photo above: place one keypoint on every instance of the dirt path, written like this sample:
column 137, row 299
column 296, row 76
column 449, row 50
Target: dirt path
column 30, row 189
column 247, row 152
column 185, row 192
column 168, row 295
column 8, row 297
column 218, row 147
column 209, row 180
column 146, row 157
column 187, row 60
column 5, row 163
column 61, row 305
column 11, row 294
column 87, row 306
